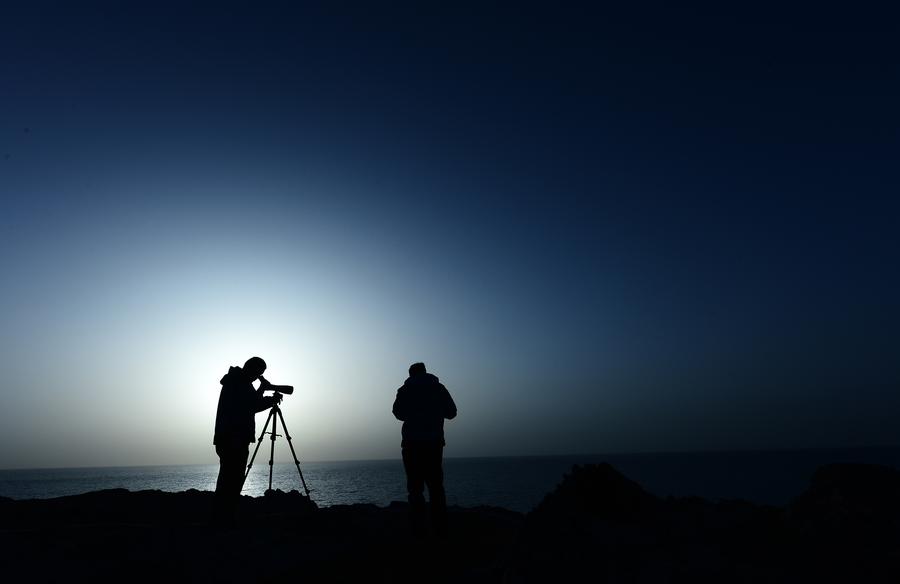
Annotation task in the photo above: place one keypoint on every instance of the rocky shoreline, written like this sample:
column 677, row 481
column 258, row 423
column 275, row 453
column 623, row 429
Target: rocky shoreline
column 596, row 526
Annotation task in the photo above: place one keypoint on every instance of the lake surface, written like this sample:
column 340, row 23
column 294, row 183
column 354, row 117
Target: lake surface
column 516, row 483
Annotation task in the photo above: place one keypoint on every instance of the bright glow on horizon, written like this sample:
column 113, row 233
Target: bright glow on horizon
column 165, row 312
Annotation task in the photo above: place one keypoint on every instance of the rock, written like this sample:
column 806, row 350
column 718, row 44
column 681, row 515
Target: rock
column 600, row 524
column 590, row 524
column 846, row 525
column 853, row 497
column 599, row 492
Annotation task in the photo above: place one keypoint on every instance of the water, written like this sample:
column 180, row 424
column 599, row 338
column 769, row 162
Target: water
column 518, row 483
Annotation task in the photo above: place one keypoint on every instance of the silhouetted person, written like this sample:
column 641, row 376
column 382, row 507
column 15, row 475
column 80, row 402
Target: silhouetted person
column 235, row 430
column 422, row 404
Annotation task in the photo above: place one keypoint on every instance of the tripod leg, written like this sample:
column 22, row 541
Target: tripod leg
column 258, row 443
column 272, row 450
column 291, row 444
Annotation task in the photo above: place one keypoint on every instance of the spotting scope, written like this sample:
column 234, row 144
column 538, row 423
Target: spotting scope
column 266, row 386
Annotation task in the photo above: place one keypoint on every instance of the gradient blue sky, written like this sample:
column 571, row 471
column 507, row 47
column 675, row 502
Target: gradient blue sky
column 661, row 228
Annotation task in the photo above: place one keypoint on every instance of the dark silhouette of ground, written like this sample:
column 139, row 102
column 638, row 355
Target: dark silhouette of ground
column 596, row 526
column 844, row 528
column 149, row 535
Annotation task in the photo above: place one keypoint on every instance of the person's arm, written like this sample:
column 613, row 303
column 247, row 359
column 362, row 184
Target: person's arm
column 261, row 402
column 449, row 404
column 400, row 406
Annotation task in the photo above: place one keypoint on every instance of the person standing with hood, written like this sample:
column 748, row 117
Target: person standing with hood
column 422, row 404
column 235, row 430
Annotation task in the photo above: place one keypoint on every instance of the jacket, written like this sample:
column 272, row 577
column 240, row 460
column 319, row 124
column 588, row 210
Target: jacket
column 422, row 404
column 238, row 404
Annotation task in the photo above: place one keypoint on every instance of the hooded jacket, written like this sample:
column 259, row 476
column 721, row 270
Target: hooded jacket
column 238, row 404
column 422, row 404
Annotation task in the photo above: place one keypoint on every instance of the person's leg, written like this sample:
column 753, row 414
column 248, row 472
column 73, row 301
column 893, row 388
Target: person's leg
column 434, row 478
column 236, row 479
column 232, row 462
column 220, row 499
column 415, row 487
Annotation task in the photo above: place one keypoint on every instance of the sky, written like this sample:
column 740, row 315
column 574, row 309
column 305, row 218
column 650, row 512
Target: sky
column 605, row 228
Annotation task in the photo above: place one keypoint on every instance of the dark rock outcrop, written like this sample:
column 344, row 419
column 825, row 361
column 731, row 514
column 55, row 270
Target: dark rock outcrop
column 844, row 528
column 851, row 501
column 846, row 525
column 603, row 525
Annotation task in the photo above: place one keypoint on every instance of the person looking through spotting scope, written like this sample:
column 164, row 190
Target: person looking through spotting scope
column 422, row 404
column 235, row 430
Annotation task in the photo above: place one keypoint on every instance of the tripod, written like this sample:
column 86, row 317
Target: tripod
column 272, row 418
